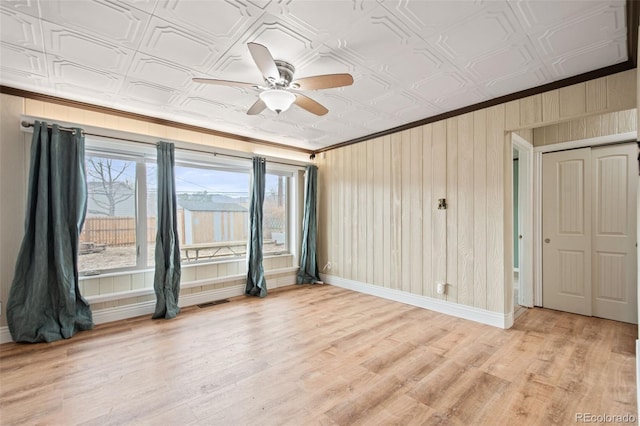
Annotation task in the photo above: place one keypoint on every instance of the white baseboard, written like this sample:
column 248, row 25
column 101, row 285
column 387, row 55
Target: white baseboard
column 454, row 309
column 5, row 335
column 146, row 308
column 102, row 316
column 638, row 375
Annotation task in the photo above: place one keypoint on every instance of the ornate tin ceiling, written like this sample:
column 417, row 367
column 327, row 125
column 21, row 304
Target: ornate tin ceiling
column 410, row 59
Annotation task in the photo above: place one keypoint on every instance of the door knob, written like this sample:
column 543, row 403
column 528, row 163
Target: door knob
column 547, row 240
column 519, row 237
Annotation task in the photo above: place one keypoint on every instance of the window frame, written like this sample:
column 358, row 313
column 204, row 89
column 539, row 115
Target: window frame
column 143, row 153
column 140, row 187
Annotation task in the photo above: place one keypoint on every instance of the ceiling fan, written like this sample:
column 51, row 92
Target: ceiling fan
column 280, row 90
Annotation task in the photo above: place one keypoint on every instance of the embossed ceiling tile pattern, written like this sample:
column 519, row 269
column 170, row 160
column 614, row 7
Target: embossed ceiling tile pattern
column 85, row 94
column 161, row 72
column 62, row 70
column 461, row 99
column 21, row 59
column 148, row 93
column 441, row 85
column 410, row 59
column 344, row 128
column 238, row 99
column 220, row 19
column 334, row 100
column 426, row 17
column 187, row 48
column 147, row 6
column 581, row 31
column 236, row 65
column 203, row 107
column 610, row 52
column 12, row 76
column 516, row 82
column 409, row 64
column 28, row 7
column 370, row 38
column 87, row 50
column 396, row 103
column 367, row 87
column 325, row 22
column 536, row 16
column 322, row 59
column 365, row 116
column 118, row 22
column 20, row 30
column 479, row 34
column 285, row 42
column 512, row 60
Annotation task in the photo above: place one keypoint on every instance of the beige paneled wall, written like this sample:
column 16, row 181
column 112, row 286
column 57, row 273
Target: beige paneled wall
column 113, row 122
column 13, row 188
column 586, row 127
column 615, row 92
column 380, row 224
column 13, row 180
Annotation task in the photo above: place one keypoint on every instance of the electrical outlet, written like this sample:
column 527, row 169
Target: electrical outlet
column 442, row 288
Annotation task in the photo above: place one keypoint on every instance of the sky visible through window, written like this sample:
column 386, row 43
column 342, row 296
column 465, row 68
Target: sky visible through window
column 191, row 180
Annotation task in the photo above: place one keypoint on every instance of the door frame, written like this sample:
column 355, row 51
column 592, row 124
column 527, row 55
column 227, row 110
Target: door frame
column 537, row 195
column 525, row 217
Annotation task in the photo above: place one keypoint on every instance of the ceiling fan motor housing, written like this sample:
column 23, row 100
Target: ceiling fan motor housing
column 286, row 71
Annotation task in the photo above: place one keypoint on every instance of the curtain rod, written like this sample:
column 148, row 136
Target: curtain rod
column 64, row 129
column 215, row 154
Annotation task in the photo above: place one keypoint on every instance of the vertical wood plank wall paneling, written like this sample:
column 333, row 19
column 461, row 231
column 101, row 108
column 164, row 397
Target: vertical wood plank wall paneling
column 466, row 224
column 439, row 221
column 586, row 127
column 428, row 200
column 465, row 159
column 14, row 158
column 451, row 293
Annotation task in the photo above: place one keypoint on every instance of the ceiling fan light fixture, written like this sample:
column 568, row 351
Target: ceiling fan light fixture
column 277, row 100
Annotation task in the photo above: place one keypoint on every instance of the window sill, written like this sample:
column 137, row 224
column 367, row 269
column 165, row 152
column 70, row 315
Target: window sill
column 189, row 284
column 184, row 266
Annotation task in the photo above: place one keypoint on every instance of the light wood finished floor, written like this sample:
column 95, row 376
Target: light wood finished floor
column 322, row 355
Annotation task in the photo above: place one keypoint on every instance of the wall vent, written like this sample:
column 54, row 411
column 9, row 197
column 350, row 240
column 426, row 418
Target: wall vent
column 215, row 302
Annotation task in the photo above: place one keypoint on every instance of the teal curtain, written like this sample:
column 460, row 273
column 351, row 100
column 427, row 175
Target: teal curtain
column 166, row 281
column 44, row 303
column 256, row 283
column 308, row 272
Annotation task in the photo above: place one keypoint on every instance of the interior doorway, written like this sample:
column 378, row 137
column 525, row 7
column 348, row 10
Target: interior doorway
column 522, row 185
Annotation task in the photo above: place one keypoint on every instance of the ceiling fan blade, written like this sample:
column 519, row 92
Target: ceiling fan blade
column 225, row 82
column 263, row 59
column 310, row 105
column 257, row 107
column 326, row 81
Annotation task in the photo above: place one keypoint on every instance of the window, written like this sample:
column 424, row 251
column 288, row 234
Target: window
column 275, row 223
column 212, row 209
column 110, row 232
